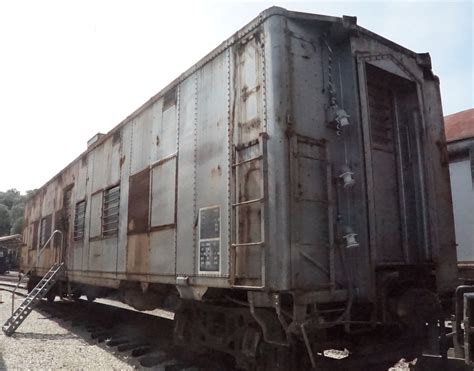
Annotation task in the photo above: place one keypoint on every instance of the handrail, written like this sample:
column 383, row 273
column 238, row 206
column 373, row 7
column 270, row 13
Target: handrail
column 37, row 263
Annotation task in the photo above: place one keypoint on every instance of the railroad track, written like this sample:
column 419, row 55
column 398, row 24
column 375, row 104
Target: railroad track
column 142, row 340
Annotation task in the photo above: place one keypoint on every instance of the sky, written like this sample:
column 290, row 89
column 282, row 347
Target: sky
column 70, row 69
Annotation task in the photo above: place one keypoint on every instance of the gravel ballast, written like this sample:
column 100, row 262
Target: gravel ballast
column 42, row 344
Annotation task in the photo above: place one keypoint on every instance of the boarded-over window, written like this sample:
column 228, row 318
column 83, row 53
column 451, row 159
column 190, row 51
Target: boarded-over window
column 138, row 202
column 110, row 211
column 45, row 229
column 79, row 221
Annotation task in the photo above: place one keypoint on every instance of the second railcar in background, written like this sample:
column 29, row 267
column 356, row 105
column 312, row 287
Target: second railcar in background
column 288, row 191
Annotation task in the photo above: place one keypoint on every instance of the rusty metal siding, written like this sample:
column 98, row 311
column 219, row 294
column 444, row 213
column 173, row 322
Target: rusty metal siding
column 162, row 252
column 125, row 166
column 240, row 145
column 163, row 131
column 103, row 254
column 211, row 156
column 141, row 138
column 138, row 202
column 186, row 207
column 95, row 229
column 163, row 200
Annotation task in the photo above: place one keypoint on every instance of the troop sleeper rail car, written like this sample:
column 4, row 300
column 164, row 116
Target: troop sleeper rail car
column 289, row 191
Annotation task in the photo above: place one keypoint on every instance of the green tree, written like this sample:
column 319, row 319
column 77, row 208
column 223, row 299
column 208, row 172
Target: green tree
column 5, row 223
column 16, row 212
column 17, row 227
column 10, row 198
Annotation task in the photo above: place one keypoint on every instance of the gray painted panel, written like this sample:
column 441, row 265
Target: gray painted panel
column 186, row 213
column 212, row 162
column 126, row 149
column 95, row 229
column 141, row 135
column 463, row 204
column 162, row 252
column 163, row 181
column 164, row 131
column 103, row 255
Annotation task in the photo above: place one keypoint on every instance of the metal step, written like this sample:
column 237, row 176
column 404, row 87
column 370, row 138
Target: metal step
column 38, row 293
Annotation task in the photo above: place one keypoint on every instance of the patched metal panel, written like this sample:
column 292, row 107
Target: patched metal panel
column 141, row 134
column 85, row 243
column 311, row 205
column 47, row 205
column 114, row 158
column 162, row 252
column 186, row 212
column 96, row 215
column 106, row 163
column 307, row 79
column 99, row 169
column 125, row 161
column 164, row 128
column 163, row 193
column 139, row 202
column 80, row 184
column 138, row 254
column 103, row 254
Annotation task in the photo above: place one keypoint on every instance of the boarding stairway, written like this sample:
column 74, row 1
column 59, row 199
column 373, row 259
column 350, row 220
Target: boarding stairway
column 33, row 298
column 41, row 289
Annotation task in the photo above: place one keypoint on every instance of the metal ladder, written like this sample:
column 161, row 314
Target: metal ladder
column 38, row 293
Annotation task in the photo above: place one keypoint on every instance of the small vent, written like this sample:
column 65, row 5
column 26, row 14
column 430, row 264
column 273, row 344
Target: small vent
column 45, row 229
column 79, row 221
column 110, row 211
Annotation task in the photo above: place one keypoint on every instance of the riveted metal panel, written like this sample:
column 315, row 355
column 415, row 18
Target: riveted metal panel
column 186, row 208
column 163, row 193
column 212, row 162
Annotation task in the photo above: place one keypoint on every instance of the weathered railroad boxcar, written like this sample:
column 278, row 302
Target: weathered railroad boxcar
column 292, row 186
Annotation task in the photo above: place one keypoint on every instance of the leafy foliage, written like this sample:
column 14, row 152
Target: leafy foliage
column 4, row 220
column 12, row 205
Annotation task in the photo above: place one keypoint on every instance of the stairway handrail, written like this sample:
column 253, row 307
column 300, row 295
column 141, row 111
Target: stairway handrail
column 37, row 263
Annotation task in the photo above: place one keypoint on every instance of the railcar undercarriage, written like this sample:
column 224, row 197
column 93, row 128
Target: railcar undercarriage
column 291, row 330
